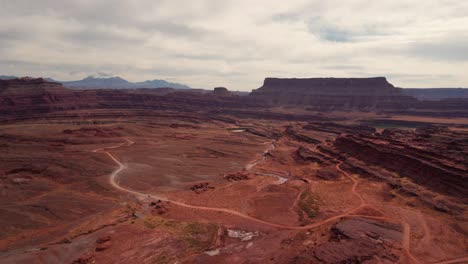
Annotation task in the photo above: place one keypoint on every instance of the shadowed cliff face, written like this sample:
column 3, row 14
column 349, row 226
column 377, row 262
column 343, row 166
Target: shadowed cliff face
column 20, row 85
column 327, row 93
column 353, row 86
column 33, row 95
column 26, row 97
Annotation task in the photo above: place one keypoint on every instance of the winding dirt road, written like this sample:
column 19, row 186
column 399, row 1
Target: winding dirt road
column 113, row 181
column 406, row 228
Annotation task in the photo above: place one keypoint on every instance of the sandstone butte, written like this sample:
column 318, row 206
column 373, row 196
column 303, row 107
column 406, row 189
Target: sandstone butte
column 333, row 93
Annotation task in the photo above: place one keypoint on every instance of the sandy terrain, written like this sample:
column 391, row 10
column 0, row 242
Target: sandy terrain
column 169, row 190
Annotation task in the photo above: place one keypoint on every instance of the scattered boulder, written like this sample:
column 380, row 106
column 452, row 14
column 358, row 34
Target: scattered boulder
column 237, row 176
column 103, row 239
column 201, row 187
column 160, row 207
column 103, row 243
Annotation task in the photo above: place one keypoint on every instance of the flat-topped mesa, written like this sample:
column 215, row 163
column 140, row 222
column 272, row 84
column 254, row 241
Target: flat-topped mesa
column 353, row 86
column 29, row 96
column 221, row 91
column 332, row 93
column 28, row 83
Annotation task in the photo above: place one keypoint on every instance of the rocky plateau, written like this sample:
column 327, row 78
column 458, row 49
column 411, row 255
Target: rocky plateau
column 319, row 170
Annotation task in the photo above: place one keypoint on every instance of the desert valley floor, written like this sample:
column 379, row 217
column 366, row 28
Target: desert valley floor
column 171, row 187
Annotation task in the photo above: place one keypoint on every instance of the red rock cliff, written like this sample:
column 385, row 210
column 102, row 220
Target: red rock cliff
column 332, row 93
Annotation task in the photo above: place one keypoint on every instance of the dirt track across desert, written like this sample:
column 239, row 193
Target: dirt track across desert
column 141, row 195
column 406, row 227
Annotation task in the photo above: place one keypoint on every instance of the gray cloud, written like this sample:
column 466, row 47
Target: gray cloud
column 447, row 49
column 100, row 37
column 236, row 43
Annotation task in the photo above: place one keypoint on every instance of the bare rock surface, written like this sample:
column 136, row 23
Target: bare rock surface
column 360, row 240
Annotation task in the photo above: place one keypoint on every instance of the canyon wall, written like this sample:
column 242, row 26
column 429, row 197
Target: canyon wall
column 27, row 97
column 435, row 159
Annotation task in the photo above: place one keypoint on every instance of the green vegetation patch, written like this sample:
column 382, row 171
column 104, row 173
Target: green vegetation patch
column 199, row 236
column 308, row 206
column 155, row 221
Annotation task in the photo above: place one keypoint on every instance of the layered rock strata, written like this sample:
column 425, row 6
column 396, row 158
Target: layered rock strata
column 332, row 93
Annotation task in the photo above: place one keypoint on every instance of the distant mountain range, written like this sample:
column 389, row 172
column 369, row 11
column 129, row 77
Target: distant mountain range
column 6, row 77
column 112, row 83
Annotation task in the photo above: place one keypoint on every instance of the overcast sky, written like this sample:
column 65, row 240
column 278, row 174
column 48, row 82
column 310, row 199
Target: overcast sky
column 237, row 43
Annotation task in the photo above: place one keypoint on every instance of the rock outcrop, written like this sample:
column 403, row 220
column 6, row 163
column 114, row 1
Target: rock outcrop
column 28, row 83
column 33, row 96
column 103, row 243
column 361, row 241
column 30, row 98
column 221, row 91
column 306, row 155
column 300, row 137
column 237, row 176
column 201, row 187
column 357, row 240
column 27, row 98
column 332, row 93
column 431, row 158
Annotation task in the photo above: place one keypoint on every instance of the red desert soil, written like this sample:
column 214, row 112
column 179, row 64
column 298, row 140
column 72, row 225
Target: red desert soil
column 282, row 211
column 200, row 178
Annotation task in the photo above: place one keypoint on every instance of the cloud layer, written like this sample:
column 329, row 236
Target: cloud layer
column 207, row 43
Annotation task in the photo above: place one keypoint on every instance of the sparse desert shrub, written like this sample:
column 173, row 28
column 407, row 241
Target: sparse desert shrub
column 308, row 205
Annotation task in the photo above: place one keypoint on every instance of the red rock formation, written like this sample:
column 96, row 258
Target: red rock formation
column 160, row 207
column 103, row 243
column 338, row 129
column 354, row 242
column 28, row 83
column 30, row 98
column 431, row 163
column 306, row 155
column 237, row 176
column 300, row 137
column 221, row 91
column 201, row 187
column 24, row 96
column 329, row 93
